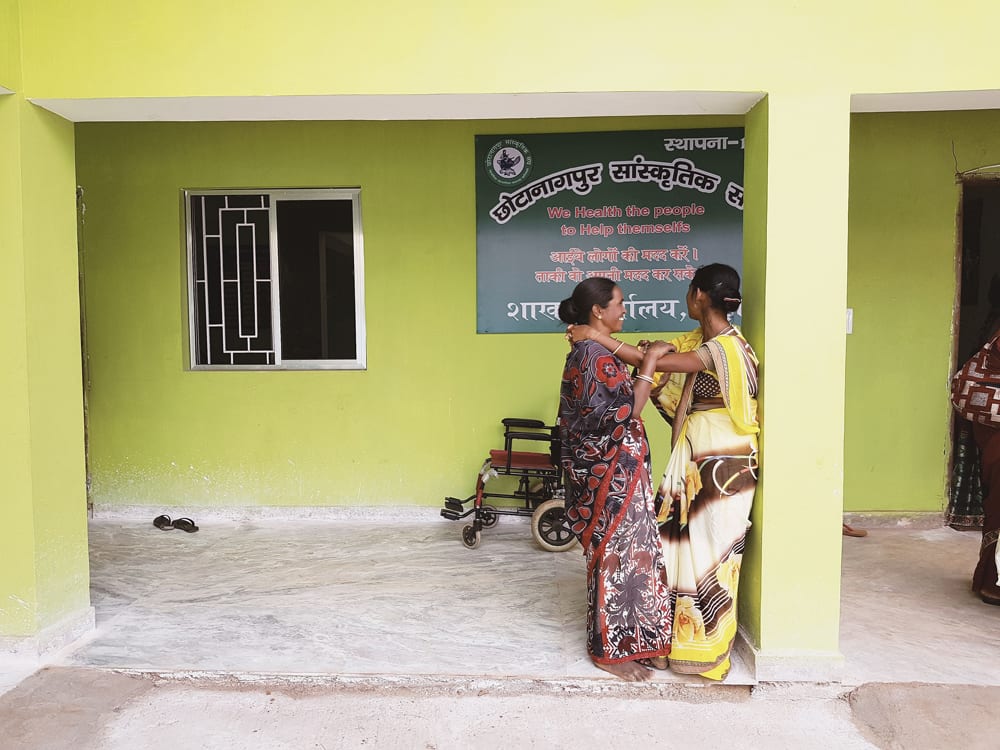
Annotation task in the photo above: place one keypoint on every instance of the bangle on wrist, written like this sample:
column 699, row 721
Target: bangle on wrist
column 648, row 379
column 620, row 345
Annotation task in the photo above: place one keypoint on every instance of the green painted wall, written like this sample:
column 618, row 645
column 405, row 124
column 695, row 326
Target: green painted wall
column 52, row 326
column 17, row 573
column 802, row 399
column 755, row 303
column 162, row 435
column 902, row 240
column 411, row 429
column 10, row 46
column 44, row 575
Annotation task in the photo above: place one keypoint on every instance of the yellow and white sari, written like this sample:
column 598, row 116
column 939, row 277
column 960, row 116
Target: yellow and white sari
column 706, row 495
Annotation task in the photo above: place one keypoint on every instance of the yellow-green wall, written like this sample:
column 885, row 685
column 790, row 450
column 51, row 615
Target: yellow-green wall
column 802, row 399
column 194, row 48
column 43, row 542
column 411, row 429
column 169, row 48
column 10, row 46
column 414, row 426
column 17, row 574
column 54, row 365
column 754, row 284
column 901, row 286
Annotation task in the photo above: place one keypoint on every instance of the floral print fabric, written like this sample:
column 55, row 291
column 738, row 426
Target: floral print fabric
column 609, row 506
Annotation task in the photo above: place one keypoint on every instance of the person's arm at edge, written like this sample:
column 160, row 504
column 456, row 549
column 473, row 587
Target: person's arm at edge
column 644, row 378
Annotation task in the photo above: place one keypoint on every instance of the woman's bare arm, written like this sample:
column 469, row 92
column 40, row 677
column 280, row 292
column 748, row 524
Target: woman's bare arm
column 680, row 362
column 644, row 379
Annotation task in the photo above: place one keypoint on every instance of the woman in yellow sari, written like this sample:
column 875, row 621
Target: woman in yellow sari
column 707, row 391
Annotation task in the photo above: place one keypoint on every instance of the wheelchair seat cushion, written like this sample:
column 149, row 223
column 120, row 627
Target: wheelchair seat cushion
column 521, row 460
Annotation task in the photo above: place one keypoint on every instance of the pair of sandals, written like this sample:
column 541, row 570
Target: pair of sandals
column 184, row 524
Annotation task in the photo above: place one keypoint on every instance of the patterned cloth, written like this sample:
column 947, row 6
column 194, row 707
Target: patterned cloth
column 985, row 574
column 705, row 497
column 967, row 495
column 965, row 501
column 609, row 506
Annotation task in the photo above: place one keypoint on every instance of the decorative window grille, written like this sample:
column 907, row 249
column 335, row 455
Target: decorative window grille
column 275, row 279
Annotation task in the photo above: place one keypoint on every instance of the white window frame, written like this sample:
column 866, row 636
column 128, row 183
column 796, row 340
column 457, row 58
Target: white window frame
column 276, row 195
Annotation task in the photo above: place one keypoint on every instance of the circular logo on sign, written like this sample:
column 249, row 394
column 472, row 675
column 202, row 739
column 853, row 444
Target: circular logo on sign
column 508, row 162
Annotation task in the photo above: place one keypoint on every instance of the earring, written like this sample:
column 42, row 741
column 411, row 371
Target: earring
column 600, row 317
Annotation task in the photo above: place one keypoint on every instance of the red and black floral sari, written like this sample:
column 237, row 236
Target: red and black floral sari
column 609, row 506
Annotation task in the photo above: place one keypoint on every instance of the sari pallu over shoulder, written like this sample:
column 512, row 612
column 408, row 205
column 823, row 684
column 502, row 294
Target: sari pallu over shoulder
column 735, row 366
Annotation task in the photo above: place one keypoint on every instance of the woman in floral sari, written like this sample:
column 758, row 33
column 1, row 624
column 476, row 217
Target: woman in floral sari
column 609, row 503
column 704, row 500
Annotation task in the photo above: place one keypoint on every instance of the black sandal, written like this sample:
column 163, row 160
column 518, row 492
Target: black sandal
column 989, row 594
column 185, row 524
column 163, row 522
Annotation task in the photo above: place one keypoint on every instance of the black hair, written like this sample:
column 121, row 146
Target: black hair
column 722, row 285
column 593, row 291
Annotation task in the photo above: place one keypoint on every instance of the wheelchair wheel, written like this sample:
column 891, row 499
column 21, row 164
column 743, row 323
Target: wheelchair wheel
column 489, row 516
column 548, row 526
column 471, row 537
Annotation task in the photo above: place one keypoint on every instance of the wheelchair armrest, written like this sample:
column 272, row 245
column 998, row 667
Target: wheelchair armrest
column 515, row 422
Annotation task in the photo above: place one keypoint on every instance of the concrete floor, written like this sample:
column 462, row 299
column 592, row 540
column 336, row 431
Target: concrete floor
column 389, row 633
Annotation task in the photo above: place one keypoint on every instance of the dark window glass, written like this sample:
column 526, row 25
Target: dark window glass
column 316, row 279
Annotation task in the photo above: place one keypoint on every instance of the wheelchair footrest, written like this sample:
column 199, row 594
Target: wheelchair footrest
column 451, row 515
column 453, row 503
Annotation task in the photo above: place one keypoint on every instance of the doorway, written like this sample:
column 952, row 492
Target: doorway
column 977, row 318
column 81, row 217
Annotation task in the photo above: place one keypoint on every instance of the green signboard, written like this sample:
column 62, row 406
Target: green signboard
column 643, row 208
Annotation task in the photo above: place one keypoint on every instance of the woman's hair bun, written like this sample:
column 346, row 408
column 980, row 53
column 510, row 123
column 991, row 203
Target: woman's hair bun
column 731, row 302
column 722, row 285
column 567, row 311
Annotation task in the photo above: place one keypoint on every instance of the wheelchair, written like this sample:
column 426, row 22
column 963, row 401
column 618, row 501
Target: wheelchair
column 541, row 488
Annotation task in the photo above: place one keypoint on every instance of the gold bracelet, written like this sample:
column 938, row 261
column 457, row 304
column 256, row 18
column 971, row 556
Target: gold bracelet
column 648, row 379
column 620, row 345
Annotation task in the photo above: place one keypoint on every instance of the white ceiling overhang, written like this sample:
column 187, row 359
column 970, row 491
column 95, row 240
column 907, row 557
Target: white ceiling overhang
column 474, row 106
column 401, row 106
column 926, row 101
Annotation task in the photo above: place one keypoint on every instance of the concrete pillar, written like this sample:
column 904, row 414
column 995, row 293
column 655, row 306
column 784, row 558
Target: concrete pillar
column 795, row 294
column 44, row 576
